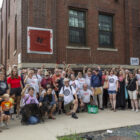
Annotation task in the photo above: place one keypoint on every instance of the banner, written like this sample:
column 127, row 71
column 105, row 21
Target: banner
column 39, row 40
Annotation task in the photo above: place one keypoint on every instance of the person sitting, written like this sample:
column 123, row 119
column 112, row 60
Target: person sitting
column 85, row 97
column 67, row 92
column 50, row 100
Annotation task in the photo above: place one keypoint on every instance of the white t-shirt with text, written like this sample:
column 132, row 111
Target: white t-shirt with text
column 112, row 80
column 85, row 95
column 68, row 94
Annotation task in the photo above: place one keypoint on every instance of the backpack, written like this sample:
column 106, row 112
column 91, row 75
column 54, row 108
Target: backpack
column 70, row 88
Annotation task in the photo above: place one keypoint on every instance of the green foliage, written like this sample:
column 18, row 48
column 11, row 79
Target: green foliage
column 71, row 137
column 138, row 133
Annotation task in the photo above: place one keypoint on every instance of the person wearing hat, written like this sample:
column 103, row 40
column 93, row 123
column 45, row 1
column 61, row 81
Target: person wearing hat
column 69, row 96
column 46, row 80
column 96, row 85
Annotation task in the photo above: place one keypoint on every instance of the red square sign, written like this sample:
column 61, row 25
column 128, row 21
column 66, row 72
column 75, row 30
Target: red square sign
column 40, row 40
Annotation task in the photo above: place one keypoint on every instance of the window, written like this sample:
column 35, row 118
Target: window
column 15, row 32
column 8, row 51
column 77, row 27
column 105, row 31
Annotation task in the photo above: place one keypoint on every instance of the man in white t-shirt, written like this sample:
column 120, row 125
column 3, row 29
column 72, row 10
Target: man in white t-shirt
column 85, row 96
column 68, row 93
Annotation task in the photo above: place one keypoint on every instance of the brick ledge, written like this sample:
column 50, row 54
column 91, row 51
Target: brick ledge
column 78, row 47
column 107, row 49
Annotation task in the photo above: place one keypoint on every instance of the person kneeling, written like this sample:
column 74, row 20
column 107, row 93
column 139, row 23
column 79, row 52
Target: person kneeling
column 30, row 110
column 67, row 92
column 49, row 100
column 85, row 97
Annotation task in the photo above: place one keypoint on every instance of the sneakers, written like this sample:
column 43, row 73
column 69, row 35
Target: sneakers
column 137, row 110
column 6, row 125
column 133, row 110
column 2, row 125
column 59, row 112
column 74, row 116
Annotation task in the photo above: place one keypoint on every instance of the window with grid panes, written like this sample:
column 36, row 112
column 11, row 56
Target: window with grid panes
column 105, row 31
column 77, row 27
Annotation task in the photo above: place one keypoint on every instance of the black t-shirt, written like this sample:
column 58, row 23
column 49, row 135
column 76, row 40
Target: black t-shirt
column 3, row 87
column 132, row 84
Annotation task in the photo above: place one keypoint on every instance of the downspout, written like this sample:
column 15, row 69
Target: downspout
column 6, row 40
column 54, row 21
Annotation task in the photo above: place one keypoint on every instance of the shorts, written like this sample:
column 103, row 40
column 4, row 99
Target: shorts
column 7, row 112
column 15, row 91
column 67, row 107
column 112, row 92
column 132, row 94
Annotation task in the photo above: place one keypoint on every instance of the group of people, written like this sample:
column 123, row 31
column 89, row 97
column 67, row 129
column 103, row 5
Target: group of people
column 64, row 90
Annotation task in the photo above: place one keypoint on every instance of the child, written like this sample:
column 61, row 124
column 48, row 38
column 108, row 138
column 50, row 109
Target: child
column 6, row 106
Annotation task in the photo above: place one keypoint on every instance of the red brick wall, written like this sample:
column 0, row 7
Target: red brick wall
column 37, row 14
column 93, row 8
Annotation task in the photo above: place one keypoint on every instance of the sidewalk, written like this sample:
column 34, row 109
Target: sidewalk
column 65, row 125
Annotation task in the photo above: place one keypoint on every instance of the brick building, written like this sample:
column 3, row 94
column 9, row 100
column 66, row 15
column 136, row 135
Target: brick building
column 88, row 32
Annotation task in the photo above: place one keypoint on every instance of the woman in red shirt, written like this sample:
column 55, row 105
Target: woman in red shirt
column 15, row 87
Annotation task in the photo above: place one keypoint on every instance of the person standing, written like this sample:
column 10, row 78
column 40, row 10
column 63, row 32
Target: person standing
column 32, row 80
column 47, row 80
column 121, row 90
column 87, row 75
column 112, row 89
column 96, row 86
column 132, row 86
column 3, row 85
column 138, row 78
column 15, row 86
column 105, row 88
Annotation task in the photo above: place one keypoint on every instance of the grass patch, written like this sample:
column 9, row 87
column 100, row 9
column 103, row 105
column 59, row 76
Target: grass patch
column 138, row 134
column 71, row 137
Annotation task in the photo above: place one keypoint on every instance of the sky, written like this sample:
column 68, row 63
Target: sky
column 1, row 3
